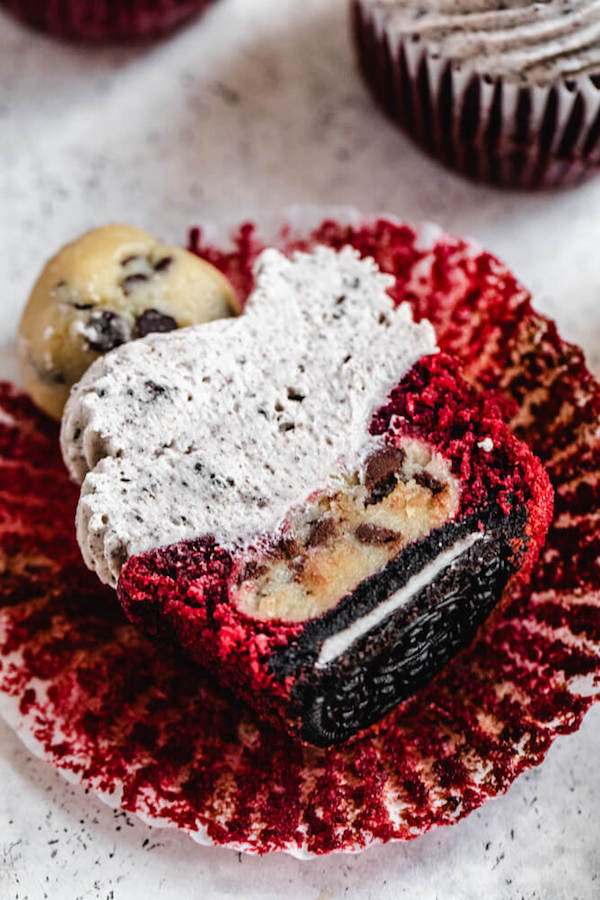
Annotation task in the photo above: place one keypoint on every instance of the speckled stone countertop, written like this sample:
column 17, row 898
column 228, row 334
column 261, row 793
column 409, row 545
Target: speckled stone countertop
column 255, row 107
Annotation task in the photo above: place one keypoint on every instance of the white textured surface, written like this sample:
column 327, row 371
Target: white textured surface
column 244, row 418
column 258, row 106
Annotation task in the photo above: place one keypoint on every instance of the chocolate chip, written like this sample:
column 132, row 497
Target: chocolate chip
column 286, row 547
column 163, row 264
column 104, row 331
column 286, row 426
column 251, row 569
column 151, row 321
column 320, row 532
column 381, row 473
column 130, row 283
column 429, row 482
column 367, row 533
column 296, row 396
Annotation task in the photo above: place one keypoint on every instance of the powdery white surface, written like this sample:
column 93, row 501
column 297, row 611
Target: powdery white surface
column 240, row 113
column 221, row 429
column 511, row 38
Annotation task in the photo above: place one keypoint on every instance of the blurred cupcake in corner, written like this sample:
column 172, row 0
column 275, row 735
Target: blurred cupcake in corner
column 106, row 20
column 505, row 91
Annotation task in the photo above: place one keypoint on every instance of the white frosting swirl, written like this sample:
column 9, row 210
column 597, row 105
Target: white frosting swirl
column 535, row 43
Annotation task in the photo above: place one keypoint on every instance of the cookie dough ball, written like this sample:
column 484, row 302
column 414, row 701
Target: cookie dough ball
column 111, row 285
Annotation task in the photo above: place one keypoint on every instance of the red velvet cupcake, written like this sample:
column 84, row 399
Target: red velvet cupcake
column 145, row 728
column 308, row 499
column 106, row 20
column 506, row 92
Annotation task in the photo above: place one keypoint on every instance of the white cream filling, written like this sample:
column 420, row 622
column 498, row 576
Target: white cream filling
column 339, row 643
column 221, row 429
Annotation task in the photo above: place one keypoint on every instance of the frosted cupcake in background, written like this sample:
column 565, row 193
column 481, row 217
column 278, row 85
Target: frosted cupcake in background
column 106, row 20
column 506, row 92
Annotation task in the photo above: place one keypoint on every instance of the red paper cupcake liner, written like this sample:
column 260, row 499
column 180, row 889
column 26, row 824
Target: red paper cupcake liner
column 106, row 20
column 486, row 127
column 147, row 730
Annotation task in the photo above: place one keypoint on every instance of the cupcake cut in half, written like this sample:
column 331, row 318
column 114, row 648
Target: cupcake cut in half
column 507, row 92
column 309, row 499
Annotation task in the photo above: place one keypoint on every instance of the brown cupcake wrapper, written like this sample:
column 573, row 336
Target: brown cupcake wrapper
column 486, row 127
column 106, row 20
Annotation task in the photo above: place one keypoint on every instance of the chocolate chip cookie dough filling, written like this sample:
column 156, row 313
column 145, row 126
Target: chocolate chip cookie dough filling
column 112, row 285
column 339, row 539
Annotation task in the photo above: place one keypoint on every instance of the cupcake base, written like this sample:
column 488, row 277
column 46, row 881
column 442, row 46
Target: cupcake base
column 105, row 21
column 489, row 129
column 148, row 731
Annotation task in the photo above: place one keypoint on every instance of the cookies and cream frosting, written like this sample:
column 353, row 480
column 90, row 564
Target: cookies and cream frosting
column 513, row 39
column 221, row 429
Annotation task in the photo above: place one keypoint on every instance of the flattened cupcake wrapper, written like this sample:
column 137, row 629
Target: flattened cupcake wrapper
column 106, row 20
column 487, row 127
column 148, row 731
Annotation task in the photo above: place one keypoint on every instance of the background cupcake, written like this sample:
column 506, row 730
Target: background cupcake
column 106, row 20
column 507, row 92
